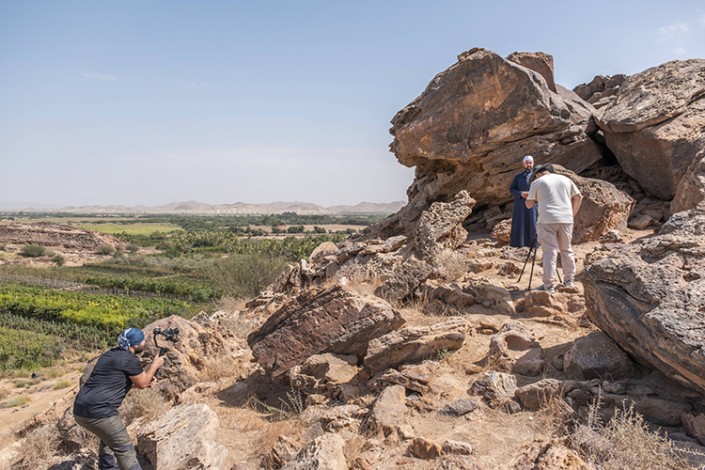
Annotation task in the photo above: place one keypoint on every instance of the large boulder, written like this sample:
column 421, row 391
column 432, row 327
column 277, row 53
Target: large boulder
column 183, row 438
column 332, row 320
column 601, row 91
column 441, row 226
column 649, row 297
column 415, row 344
column 604, row 208
column 655, row 125
column 470, row 127
column 691, row 189
column 195, row 349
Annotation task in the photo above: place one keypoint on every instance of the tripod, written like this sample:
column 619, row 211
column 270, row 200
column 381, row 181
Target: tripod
column 533, row 249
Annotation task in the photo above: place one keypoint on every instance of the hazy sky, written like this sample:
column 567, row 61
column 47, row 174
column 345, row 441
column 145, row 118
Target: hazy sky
column 129, row 102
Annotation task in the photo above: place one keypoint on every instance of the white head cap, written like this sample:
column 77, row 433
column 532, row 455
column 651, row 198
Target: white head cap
column 528, row 158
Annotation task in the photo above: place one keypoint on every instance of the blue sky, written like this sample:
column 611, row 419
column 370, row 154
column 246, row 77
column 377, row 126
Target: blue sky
column 150, row 102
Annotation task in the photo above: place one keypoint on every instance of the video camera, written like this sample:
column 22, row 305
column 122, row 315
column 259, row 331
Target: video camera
column 171, row 334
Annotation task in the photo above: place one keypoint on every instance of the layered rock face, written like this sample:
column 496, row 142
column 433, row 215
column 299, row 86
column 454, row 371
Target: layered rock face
column 650, row 297
column 655, row 125
column 470, row 127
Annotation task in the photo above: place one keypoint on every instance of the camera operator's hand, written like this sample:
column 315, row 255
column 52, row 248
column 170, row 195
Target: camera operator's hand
column 158, row 361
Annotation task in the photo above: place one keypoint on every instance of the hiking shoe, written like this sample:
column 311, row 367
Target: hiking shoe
column 568, row 283
column 549, row 289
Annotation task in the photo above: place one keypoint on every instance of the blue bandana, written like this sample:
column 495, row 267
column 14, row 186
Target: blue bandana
column 130, row 337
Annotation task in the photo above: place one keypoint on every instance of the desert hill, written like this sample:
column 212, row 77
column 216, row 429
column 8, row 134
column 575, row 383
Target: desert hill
column 413, row 345
column 201, row 208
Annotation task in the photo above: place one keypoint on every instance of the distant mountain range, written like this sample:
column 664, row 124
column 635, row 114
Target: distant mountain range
column 194, row 207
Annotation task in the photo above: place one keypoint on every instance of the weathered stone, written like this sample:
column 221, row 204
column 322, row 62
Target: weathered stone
column 649, row 298
column 654, row 127
column 410, row 378
column 185, row 358
column 400, row 284
column 660, row 411
column 283, row 451
column 604, row 208
column 387, row 412
column 502, row 231
column 423, row 448
column 414, row 344
column 473, row 123
column 550, row 456
column 538, row 62
column 323, row 373
column 460, row 407
column 496, row 388
column 324, row 249
column 325, row 452
column 457, row 447
column 695, row 426
column 73, row 436
column 600, row 89
column 511, row 337
column 691, row 189
column 333, row 320
column 596, row 356
column 183, row 438
column 540, row 394
column 441, row 226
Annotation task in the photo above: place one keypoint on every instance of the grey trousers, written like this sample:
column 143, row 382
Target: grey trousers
column 116, row 449
column 555, row 238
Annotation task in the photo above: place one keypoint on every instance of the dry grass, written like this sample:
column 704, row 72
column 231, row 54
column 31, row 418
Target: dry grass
column 624, row 442
column 39, row 446
column 15, row 402
column 290, row 407
column 216, row 368
column 453, row 264
column 62, row 384
column 147, row 403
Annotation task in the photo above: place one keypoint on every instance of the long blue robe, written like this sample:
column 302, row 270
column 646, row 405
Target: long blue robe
column 523, row 219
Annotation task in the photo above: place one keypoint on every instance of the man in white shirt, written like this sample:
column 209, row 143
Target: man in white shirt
column 559, row 200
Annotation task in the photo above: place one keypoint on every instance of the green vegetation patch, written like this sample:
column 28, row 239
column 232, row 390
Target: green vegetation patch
column 21, row 349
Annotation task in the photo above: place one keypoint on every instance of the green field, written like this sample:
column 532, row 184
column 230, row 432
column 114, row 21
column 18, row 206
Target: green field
column 147, row 228
column 191, row 264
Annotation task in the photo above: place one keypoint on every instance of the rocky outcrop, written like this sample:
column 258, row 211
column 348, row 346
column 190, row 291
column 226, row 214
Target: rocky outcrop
column 441, row 226
column 183, row 438
column 538, row 62
column 596, row 356
column 414, row 344
column 601, row 91
column 325, row 452
column 691, row 189
column 604, row 208
column 654, row 127
column 64, row 237
column 187, row 357
column 473, row 123
column 649, row 297
column 333, row 320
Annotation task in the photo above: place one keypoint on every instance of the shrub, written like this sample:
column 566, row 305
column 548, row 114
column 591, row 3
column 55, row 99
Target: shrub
column 32, row 251
column 58, row 260
column 105, row 250
column 147, row 403
column 62, row 384
column 244, row 275
column 39, row 446
column 624, row 442
column 15, row 402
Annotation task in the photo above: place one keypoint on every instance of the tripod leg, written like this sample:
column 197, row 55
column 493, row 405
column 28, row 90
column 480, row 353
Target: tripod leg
column 533, row 262
column 525, row 262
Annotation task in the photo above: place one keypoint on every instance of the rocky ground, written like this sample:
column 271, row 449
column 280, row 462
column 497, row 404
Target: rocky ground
column 480, row 383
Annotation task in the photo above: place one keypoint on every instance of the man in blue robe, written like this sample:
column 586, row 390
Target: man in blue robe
column 523, row 219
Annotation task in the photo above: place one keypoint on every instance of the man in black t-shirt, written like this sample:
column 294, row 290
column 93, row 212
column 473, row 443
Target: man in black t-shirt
column 96, row 405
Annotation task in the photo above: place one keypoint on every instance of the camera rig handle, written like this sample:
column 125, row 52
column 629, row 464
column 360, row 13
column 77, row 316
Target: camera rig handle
column 170, row 334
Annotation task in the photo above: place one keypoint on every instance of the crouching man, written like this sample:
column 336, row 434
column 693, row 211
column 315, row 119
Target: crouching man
column 96, row 405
